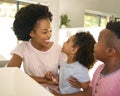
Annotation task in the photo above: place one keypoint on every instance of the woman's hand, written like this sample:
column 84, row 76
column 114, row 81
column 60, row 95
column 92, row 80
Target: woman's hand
column 74, row 82
column 54, row 92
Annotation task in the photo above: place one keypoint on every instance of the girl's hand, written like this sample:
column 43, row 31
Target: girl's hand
column 48, row 75
column 52, row 82
column 74, row 82
column 51, row 79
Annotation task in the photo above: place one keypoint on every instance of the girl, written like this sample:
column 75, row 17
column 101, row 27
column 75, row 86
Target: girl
column 79, row 51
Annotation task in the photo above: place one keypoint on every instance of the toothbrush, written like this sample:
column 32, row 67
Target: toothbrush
column 53, row 79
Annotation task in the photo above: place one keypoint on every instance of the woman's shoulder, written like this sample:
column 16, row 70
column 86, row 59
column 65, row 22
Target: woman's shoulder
column 24, row 43
column 20, row 48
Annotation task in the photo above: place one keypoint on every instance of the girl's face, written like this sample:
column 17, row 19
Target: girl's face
column 41, row 34
column 101, row 47
column 68, row 45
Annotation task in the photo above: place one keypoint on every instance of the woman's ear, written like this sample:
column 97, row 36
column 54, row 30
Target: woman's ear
column 31, row 34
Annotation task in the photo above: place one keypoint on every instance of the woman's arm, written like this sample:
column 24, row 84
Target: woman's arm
column 88, row 92
column 39, row 79
column 15, row 61
column 74, row 82
column 42, row 80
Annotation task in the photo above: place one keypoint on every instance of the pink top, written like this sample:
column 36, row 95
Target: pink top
column 106, row 85
column 37, row 63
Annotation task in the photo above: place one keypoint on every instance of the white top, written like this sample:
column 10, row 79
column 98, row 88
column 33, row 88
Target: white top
column 37, row 63
column 75, row 70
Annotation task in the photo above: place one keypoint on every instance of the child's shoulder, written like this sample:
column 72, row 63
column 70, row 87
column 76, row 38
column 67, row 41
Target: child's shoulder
column 101, row 66
column 99, row 69
column 79, row 67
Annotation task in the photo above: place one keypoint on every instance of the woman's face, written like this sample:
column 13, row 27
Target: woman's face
column 41, row 34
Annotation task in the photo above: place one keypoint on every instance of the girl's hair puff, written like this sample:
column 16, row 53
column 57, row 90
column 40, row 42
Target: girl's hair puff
column 85, row 54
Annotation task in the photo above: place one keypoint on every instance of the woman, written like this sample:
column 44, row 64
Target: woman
column 39, row 55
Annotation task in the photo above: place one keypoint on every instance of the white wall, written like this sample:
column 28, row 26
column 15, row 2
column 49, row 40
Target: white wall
column 76, row 8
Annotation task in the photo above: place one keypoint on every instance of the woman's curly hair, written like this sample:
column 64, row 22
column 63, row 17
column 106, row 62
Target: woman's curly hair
column 85, row 54
column 26, row 18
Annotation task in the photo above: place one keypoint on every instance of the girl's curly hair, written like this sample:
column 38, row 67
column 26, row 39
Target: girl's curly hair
column 85, row 54
column 26, row 18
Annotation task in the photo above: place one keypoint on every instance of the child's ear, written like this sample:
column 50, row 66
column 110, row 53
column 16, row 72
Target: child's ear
column 110, row 51
column 74, row 50
column 118, row 51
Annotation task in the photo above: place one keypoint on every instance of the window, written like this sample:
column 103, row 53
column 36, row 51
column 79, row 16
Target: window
column 117, row 19
column 8, row 40
column 94, row 20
